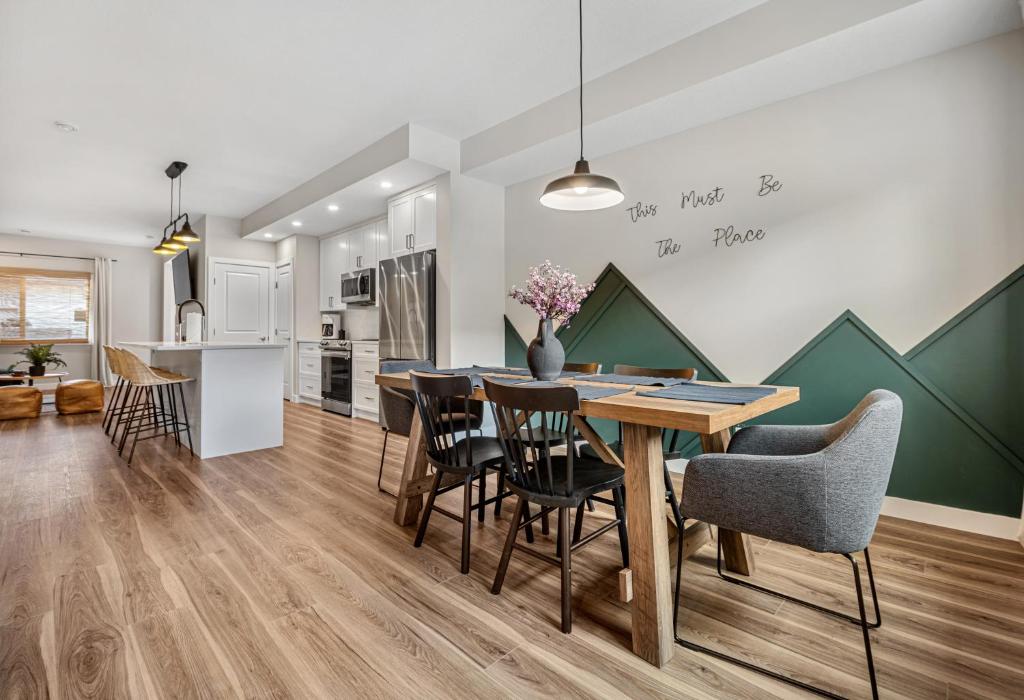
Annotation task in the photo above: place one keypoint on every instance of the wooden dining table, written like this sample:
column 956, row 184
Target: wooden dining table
column 642, row 419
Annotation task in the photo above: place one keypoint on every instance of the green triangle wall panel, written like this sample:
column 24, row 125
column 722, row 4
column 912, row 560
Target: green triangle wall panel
column 944, row 456
column 515, row 348
column 977, row 359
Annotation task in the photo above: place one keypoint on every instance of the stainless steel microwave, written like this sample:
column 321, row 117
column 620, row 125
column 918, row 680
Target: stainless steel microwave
column 359, row 287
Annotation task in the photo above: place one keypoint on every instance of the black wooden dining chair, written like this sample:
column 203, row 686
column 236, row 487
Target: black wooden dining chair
column 553, row 482
column 458, row 457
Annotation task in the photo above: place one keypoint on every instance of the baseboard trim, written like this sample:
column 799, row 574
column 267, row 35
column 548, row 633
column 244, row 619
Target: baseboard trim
column 1001, row 526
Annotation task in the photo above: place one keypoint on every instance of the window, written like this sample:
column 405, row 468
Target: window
column 43, row 306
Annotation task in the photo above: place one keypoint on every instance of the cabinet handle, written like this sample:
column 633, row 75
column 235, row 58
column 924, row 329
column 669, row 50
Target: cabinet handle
column 330, row 301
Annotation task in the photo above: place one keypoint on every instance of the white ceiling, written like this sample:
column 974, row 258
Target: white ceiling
column 258, row 97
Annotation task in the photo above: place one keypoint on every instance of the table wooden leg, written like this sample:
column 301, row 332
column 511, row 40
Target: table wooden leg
column 736, row 548
column 653, row 636
column 410, row 500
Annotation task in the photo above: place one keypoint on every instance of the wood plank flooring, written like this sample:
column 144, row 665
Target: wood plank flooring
column 279, row 573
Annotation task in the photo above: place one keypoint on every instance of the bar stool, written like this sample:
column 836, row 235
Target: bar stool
column 119, row 395
column 153, row 406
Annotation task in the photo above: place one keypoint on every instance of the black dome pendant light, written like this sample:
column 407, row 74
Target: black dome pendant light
column 581, row 191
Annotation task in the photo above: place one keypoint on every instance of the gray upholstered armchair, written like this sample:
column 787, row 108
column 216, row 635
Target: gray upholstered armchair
column 818, row 487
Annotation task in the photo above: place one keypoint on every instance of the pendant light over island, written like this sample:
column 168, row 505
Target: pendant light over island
column 583, row 190
column 178, row 240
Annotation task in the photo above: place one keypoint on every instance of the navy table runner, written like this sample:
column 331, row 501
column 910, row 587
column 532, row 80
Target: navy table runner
column 711, row 394
column 631, row 381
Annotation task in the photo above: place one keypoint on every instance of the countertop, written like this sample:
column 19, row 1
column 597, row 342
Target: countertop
column 164, row 347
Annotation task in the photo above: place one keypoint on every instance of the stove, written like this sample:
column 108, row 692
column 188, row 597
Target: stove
column 336, row 376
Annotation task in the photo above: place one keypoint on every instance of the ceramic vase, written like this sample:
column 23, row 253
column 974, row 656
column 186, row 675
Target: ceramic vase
column 545, row 356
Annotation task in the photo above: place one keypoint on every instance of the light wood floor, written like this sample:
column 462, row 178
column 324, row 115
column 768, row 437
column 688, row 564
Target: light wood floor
column 279, row 573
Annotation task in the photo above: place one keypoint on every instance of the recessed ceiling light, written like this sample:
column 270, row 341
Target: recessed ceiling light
column 333, row 207
column 296, row 223
column 66, row 127
column 268, row 235
column 385, row 184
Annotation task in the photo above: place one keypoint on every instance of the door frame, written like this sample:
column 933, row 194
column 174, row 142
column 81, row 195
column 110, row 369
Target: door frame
column 211, row 267
column 292, row 345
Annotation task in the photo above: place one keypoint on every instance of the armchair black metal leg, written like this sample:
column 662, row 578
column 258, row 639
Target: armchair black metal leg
column 566, row 561
column 673, row 501
column 545, row 527
column 427, row 510
column 725, row 657
column 467, row 516
column 864, row 625
column 510, row 540
column 590, row 505
column 619, row 496
column 807, row 604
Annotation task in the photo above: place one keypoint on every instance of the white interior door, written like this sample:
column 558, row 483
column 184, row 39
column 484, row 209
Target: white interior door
column 283, row 318
column 241, row 302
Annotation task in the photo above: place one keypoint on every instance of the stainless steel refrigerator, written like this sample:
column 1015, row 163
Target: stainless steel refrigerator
column 406, row 290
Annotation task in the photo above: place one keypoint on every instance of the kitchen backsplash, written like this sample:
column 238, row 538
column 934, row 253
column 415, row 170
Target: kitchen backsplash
column 361, row 323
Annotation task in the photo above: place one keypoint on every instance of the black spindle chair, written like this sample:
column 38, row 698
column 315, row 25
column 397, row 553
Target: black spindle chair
column 553, row 482
column 444, row 406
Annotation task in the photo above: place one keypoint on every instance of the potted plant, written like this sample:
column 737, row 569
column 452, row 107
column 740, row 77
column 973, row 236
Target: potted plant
column 554, row 295
column 38, row 357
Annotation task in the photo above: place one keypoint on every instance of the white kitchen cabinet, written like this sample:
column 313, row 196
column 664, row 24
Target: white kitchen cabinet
column 363, row 247
column 308, row 372
column 424, row 205
column 412, row 221
column 382, row 239
column 400, row 220
column 365, row 393
column 334, row 260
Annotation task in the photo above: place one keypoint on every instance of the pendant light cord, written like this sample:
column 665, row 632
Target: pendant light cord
column 581, row 79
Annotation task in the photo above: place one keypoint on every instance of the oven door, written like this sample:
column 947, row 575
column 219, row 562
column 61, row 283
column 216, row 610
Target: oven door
column 336, row 381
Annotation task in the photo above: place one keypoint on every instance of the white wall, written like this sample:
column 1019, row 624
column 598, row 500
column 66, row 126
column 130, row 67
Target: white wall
column 137, row 289
column 470, row 279
column 304, row 251
column 902, row 198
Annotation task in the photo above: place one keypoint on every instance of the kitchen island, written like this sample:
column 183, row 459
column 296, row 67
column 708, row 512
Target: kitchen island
column 235, row 403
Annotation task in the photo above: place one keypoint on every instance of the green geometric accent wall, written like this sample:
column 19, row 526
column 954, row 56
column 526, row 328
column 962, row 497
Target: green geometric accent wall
column 977, row 359
column 962, row 442
column 618, row 325
column 515, row 348
column 944, row 455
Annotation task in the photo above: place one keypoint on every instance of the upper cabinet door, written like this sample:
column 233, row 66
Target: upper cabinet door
column 382, row 240
column 355, row 250
column 425, row 220
column 334, row 261
column 400, row 222
column 368, row 255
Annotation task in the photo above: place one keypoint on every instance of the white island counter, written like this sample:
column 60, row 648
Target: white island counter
column 236, row 402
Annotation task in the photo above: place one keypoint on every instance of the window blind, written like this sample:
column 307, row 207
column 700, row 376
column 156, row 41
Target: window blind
column 44, row 306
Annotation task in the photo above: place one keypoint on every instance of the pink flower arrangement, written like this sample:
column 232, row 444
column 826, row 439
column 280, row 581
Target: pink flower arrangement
column 552, row 292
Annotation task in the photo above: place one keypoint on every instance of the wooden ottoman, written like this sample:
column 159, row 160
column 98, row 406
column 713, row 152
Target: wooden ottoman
column 20, row 402
column 79, row 396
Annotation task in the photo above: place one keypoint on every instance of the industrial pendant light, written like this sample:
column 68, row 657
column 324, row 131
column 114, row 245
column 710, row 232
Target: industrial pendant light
column 178, row 240
column 186, row 234
column 581, row 191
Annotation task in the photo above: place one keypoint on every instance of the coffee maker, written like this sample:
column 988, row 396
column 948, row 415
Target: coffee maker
column 330, row 328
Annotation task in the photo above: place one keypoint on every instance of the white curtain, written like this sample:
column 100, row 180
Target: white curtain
column 103, row 304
